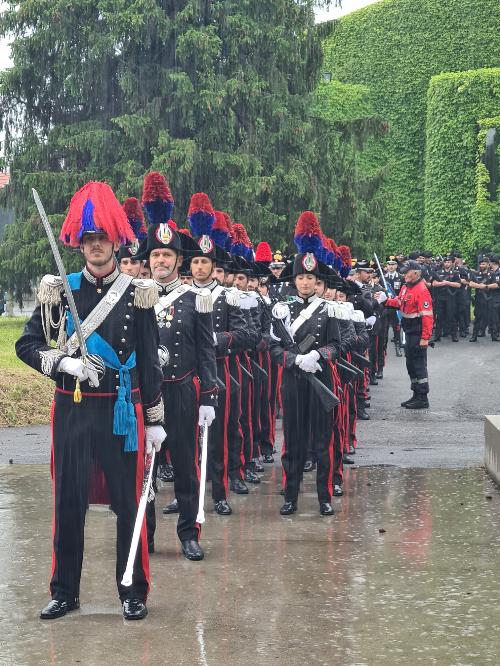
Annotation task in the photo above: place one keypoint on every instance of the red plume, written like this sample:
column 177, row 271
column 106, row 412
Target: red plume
column 200, row 202
column 186, row 232
column 240, row 235
column 345, row 254
column 263, row 252
column 93, row 207
column 133, row 209
column 229, row 222
column 156, row 187
column 332, row 245
column 308, row 225
column 220, row 222
column 172, row 225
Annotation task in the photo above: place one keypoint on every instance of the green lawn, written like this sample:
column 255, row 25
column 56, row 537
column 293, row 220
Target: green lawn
column 25, row 395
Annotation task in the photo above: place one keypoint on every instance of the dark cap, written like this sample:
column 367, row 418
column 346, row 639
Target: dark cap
column 410, row 265
column 363, row 265
column 494, row 258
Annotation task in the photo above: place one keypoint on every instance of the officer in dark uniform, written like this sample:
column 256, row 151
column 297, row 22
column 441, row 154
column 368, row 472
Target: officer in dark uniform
column 493, row 289
column 446, row 285
column 306, row 315
column 363, row 279
column 187, row 351
column 394, row 282
column 478, row 281
column 230, row 334
column 104, row 422
column 463, row 296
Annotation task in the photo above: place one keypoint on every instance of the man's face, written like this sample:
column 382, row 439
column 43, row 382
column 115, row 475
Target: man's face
column 447, row 264
column 130, row 267
column 391, row 266
column 164, row 263
column 263, row 289
column 218, row 275
column 241, row 281
column 202, row 268
column 483, row 266
column 253, row 284
column 341, row 297
column 229, row 279
column 319, row 289
column 493, row 265
column 364, row 276
column 305, row 284
column 97, row 249
column 277, row 271
column 421, row 259
column 459, row 261
column 412, row 276
column 145, row 271
column 187, row 279
column 330, row 294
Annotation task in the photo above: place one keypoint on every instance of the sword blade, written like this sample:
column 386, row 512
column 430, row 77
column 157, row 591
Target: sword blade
column 62, row 273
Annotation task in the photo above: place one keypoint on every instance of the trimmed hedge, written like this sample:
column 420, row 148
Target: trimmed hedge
column 395, row 47
column 458, row 213
column 486, row 213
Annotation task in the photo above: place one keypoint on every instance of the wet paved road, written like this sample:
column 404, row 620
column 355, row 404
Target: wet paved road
column 301, row 590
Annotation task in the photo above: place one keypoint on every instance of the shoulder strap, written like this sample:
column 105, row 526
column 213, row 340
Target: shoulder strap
column 305, row 315
column 167, row 300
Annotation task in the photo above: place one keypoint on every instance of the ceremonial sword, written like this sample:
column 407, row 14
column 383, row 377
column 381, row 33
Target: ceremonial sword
column 77, row 396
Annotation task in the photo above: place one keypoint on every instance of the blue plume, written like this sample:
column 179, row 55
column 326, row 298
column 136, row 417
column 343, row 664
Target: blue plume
column 136, row 228
column 87, row 219
column 219, row 237
column 309, row 244
column 159, row 211
column 201, row 223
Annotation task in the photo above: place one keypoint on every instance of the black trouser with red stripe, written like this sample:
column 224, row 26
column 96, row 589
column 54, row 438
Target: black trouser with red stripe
column 82, row 435
column 246, row 410
column 181, row 425
column 218, row 437
column 261, row 406
column 234, row 433
column 302, row 413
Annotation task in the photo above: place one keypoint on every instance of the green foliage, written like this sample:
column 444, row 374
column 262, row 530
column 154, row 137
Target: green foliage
column 395, row 47
column 216, row 95
column 457, row 210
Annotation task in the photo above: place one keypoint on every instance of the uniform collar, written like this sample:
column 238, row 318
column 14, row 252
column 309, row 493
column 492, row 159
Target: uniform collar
column 100, row 281
column 210, row 285
column 307, row 301
column 170, row 286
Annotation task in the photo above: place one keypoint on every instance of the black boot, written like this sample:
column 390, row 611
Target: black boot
column 267, row 458
column 473, row 337
column 134, row 609
column 57, row 608
column 238, row 487
column 192, row 550
column 419, row 403
column 257, row 467
column 222, row 508
column 251, row 477
column 326, row 509
column 380, row 374
column 373, row 380
column 454, row 337
column 173, row 507
column 288, row 508
column 338, row 490
column 309, row 466
column 412, row 399
column 362, row 415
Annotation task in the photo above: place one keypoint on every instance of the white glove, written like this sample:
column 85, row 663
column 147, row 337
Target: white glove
column 309, row 362
column 370, row 322
column 75, row 367
column 155, row 436
column 206, row 415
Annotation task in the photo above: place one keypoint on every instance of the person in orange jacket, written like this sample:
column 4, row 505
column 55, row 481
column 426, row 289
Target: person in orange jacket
column 415, row 304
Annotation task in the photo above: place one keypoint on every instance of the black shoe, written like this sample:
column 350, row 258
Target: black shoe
column 238, row 487
column 463, row 334
column 309, row 466
column 192, row 550
column 418, row 403
column 473, row 337
column 362, row 415
column 326, row 509
column 352, row 450
column 481, row 334
column 222, row 508
column 257, row 466
column 166, row 473
column 57, row 608
column 267, row 458
column 151, row 547
column 407, row 402
column 134, row 609
column 347, row 461
column 173, row 507
column 367, row 404
column 338, row 491
column 438, row 339
column 251, row 477
column 454, row 338
column 373, row 381
column 288, row 508
column 380, row 375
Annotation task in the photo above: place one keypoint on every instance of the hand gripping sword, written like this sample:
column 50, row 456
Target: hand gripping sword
column 77, row 396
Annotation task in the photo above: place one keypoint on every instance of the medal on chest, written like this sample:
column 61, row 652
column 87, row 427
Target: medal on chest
column 166, row 316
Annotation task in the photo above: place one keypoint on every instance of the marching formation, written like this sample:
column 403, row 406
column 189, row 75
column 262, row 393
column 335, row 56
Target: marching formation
column 171, row 333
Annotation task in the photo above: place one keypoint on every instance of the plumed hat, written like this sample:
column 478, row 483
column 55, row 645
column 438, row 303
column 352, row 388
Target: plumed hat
column 135, row 217
column 157, row 199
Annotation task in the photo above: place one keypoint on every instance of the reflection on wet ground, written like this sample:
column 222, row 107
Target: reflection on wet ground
column 407, row 572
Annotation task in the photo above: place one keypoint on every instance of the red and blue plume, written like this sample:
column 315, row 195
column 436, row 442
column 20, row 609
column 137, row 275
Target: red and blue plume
column 94, row 208
column 220, row 231
column 201, row 215
column 333, row 249
column 346, row 259
column 157, row 199
column 263, row 252
column 308, row 234
column 186, row 232
column 172, row 225
column 229, row 222
column 135, row 217
column 241, row 244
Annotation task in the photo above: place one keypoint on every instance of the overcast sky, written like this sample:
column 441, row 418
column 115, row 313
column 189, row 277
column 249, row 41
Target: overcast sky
column 321, row 15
